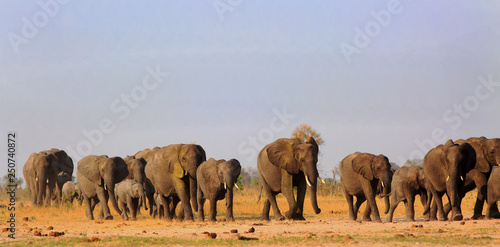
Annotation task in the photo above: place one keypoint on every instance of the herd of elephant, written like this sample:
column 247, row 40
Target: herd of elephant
column 180, row 173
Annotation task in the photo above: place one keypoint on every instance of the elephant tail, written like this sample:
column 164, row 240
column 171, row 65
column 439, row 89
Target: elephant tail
column 260, row 193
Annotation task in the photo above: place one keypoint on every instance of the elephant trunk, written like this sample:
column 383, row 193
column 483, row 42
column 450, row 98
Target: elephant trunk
column 193, row 190
column 41, row 190
column 387, row 203
column 313, row 197
column 110, row 187
column 143, row 200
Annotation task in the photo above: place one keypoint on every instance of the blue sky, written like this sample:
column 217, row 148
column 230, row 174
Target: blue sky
column 230, row 70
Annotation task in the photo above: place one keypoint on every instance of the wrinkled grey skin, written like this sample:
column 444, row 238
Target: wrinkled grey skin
column 493, row 191
column 159, row 209
column 136, row 172
column 97, row 176
column 71, row 191
column 360, row 174
column 407, row 182
column 129, row 194
column 172, row 172
column 285, row 164
column 445, row 167
column 487, row 156
column 40, row 173
column 216, row 179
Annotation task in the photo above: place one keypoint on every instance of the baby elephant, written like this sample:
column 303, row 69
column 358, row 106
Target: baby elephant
column 216, row 179
column 70, row 191
column 407, row 182
column 493, row 190
column 128, row 195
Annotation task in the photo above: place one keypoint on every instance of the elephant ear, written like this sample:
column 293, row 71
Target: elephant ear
column 362, row 164
column 237, row 168
column 121, row 169
column 310, row 140
column 203, row 155
column 481, row 147
column 446, row 147
column 171, row 156
column 89, row 168
column 470, row 159
column 413, row 177
column 280, row 153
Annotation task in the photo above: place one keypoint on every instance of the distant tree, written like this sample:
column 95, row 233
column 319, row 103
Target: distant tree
column 304, row 131
column 4, row 181
column 415, row 162
column 249, row 177
column 394, row 166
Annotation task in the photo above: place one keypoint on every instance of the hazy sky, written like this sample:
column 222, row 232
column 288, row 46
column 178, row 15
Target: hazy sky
column 390, row 77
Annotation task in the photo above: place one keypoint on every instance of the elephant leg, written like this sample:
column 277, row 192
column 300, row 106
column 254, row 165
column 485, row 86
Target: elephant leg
column 133, row 206
column 182, row 190
column 366, row 213
column 394, row 205
column 201, row 202
column 301, row 194
column 103, row 198
column 89, row 209
column 271, row 198
column 350, row 206
column 265, row 210
column 423, row 200
column 123, row 207
column 440, row 210
column 410, row 209
column 287, row 190
column 369, row 190
column 359, row 200
column 213, row 209
column 165, row 204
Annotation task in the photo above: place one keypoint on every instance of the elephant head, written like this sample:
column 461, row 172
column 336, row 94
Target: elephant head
column 136, row 172
column 105, row 172
column 491, row 149
column 373, row 167
column 296, row 156
column 228, row 173
column 79, row 194
column 42, row 174
column 183, row 161
column 458, row 161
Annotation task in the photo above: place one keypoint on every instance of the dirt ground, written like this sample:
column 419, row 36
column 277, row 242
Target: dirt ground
column 329, row 228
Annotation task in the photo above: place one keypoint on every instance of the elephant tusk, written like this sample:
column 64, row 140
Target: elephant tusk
column 36, row 179
column 382, row 184
column 225, row 186
column 462, row 178
column 105, row 187
column 185, row 172
column 320, row 179
column 308, row 182
column 448, row 178
column 236, row 185
column 47, row 180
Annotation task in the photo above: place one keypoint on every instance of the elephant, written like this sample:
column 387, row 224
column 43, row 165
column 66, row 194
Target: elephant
column 70, row 191
column 493, row 190
column 129, row 194
column 172, row 172
column 360, row 173
column 216, row 179
column 445, row 167
column 62, row 178
column 487, row 156
column 97, row 176
column 407, row 182
column 136, row 172
column 147, row 154
column 40, row 173
column 282, row 165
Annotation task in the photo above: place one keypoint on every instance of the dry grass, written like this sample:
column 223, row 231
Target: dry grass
column 146, row 231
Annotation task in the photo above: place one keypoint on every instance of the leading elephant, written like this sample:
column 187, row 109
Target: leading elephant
column 172, row 172
column 487, row 156
column 360, row 174
column 216, row 179
column 284, row 164
column 97, row 176
column 40, row 173
column 445, row 167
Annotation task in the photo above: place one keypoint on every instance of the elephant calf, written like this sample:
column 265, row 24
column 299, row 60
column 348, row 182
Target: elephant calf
column 70, row 191
column 493, row 190
column 129, row 194
column 216, row 179
column 407, row 182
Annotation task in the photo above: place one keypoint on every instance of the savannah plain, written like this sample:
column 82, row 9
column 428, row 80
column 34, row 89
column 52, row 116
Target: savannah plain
column 329, row 228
